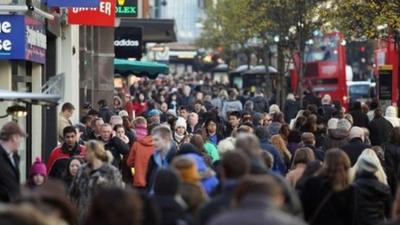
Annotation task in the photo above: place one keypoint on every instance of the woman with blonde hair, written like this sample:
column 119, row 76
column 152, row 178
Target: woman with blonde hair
column 279, row 143
column 373, row 192
column 96, row 174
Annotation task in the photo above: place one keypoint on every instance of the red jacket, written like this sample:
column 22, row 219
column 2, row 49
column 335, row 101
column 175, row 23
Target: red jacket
column 139, row 157
column 59, row 157
column 139, row 108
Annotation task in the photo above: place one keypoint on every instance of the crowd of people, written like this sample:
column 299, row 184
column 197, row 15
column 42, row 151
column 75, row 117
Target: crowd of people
column 191, row 152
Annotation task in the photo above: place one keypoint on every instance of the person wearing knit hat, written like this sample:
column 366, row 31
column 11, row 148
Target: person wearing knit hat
column 373, row 193
column 337, row 133
column 154, row 116
column 37, row 174
column 180, row 135
column 356, row 144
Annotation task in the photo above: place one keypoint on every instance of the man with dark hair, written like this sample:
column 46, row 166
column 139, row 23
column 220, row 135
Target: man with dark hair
column 360, row 119
column 164, row 151
column 64, row 119
column 259, row 201
column 183, row 112
column 10, row 138
column 233, row 123
column 86, row 122
column 59, row 157
column 235, row 165
column 104, row 111
column 260, row 102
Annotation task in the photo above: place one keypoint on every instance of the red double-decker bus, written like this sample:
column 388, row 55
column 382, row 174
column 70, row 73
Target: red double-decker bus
column 325, row 67
column 387, row 71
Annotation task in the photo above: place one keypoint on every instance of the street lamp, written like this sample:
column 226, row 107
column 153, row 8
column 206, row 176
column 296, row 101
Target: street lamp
column 15, row 111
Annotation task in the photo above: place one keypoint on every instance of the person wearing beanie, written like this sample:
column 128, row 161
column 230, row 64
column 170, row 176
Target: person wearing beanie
column 356, row 144
column 180, row 135
column 373, row 193
column 37, row 174
column 154, row 116
column 391, row 116
column 337, row 133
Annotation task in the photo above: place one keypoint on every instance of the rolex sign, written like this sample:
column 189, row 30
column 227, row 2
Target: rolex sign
column 126, row 8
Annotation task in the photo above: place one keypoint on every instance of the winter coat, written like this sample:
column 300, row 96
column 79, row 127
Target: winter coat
column 105, row 113
column 360, row 119
column 140, row 108
column 139, row 157
column 9, row 177
column 326, row 112
column 336, row 208
column 260, row 104
column 117, row 147
column 186, row 101
column 290, row 110
column 209, row 181
column 89, row 181
column 230, row 106
column 319, row 154
column 373, row 199
column 379, row 130
column 212, row 151
column 59, row 158
column 156, row 162
column 392, row 165
column 255, row 210
column 335, row 138
column 354, row 149
column 278, row 165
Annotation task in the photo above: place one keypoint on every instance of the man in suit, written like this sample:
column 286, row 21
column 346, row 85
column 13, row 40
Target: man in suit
column 10, row 138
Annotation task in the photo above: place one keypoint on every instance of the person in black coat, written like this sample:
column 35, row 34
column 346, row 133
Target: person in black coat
column 379, row 128
column 10, row 138
column 260, row 102
column 104, row 111
column 328, row 198
column 113, row 144
column 291, row 108
column 356, row 145
column 373, row 193
column 392, row 159
column 360, row 119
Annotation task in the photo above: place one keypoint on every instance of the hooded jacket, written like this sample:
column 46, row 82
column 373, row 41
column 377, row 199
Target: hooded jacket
column 139, row 157
column 335, row 138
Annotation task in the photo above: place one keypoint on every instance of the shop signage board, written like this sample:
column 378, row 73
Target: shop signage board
column 126, row 8
column 73, row 3
column 104, row 15
column 22, row 38
column 128, row 42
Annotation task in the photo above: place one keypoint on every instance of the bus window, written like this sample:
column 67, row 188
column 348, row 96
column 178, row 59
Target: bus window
column 322, row 49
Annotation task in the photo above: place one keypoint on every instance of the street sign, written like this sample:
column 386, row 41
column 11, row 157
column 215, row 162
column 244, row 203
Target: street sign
column 126, row 8
column 104, row 15
column 23, row 38
column 128, row 42
column 73, row 3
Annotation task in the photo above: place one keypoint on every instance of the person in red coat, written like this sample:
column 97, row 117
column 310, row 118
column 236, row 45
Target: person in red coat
column 59, row 157
column 140, row 105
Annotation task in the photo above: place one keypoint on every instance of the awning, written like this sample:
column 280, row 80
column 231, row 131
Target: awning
column 261, row 70
column 140, row 68
column 28, row 97
column 154, row 30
